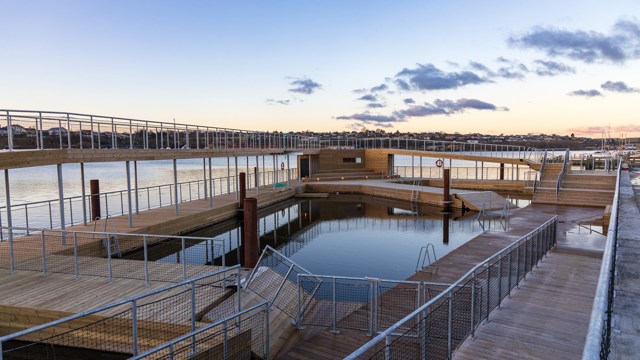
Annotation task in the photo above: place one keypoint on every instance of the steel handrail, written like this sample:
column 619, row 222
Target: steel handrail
column 170, row 343
column 113, row 304
column 599, row 312
column 392, row 329
column 561, row 174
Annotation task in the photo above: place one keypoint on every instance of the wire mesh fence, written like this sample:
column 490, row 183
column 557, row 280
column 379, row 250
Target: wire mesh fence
column 244, row 335
column 275, row 279
column 136, row 324
column 436, row 329
column 112, row 255
column 366, row 304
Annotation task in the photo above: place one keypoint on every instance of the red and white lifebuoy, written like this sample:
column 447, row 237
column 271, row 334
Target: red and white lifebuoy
column 282, row 166
column 439, row 163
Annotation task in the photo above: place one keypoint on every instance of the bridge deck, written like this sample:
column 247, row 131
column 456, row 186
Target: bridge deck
column 319, row 343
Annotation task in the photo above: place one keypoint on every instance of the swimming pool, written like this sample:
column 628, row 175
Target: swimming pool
column 347, row 235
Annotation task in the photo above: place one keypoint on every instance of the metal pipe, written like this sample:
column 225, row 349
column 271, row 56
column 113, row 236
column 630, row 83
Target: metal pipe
column 61, row 200
column 84, row 198
column 175, row 185
column 7, row 197
column 128, row 167
column 135, row 185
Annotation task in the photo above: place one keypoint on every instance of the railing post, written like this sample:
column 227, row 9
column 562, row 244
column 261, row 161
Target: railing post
column 76, row 269
column 500, row 281
column 184, row 260
column 299, row 316
column 109, row 269
column 9, row 132
column 134, row 327
column 334, row 308
column 510, row 271
column 193, row 317
column 488, row 292
column 473, row 304
column 44, row 254
column 450, row 327
column 145, row 248
column 387, row 348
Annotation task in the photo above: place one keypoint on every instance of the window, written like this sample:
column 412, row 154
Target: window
column 356, row 160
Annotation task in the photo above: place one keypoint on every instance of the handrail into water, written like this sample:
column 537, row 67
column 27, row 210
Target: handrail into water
column 561, row 174
column 447, row 293
column 128, row 300
column 598, row 338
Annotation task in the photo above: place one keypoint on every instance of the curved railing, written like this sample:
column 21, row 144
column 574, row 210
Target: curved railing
column 597, row 345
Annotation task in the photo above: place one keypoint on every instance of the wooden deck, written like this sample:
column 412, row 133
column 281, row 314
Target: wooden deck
column 546, row 318
column 192, row 214
column 319, row 343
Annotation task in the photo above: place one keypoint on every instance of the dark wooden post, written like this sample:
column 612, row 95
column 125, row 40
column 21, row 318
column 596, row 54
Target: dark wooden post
column 250, row 232
column 501, row 171
column 243, row 188
column 95, row 199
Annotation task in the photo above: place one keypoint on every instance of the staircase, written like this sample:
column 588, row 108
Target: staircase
column 590, row 189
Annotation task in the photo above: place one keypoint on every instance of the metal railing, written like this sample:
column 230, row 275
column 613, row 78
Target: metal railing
column 27, row 129
column 461, row 173
column 46, row 213
column 365, row 304
column 274, row 278
column 489, row 150
column 137, row 323
column 165, row 258
column 561, row 174
column 438, row 328
column 598, row 341
column 244, row 335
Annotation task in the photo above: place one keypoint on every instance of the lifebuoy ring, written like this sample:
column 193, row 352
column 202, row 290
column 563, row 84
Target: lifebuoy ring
column 439, row 163
column 282, row 166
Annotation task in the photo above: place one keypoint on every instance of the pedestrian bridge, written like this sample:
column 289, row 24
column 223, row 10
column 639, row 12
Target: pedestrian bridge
column 80, row 138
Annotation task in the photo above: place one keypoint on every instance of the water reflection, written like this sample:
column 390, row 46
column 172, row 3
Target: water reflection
column 346, row 235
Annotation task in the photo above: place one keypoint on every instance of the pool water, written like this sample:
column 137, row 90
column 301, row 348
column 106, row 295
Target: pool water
column 349, row 235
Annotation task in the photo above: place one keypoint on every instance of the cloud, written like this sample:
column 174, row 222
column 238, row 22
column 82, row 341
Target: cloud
column 381, row 87
column 447, row 107
column 368, row 97
column 552, row 68
column 304, row 86
column 619, row 86
column 620, row 45
column 429, row 77
column 375, row 105
column 439, row 107
column 278, row 102
column 586, row 93
column 409, row 101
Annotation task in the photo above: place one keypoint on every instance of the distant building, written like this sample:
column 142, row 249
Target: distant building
column 57, row 131
column 17, row 130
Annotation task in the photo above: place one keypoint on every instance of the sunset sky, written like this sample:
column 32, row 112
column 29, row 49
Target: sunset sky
column 455, row 66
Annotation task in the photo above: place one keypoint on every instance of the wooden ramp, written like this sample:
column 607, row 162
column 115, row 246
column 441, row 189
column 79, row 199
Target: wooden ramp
column 477, row 201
